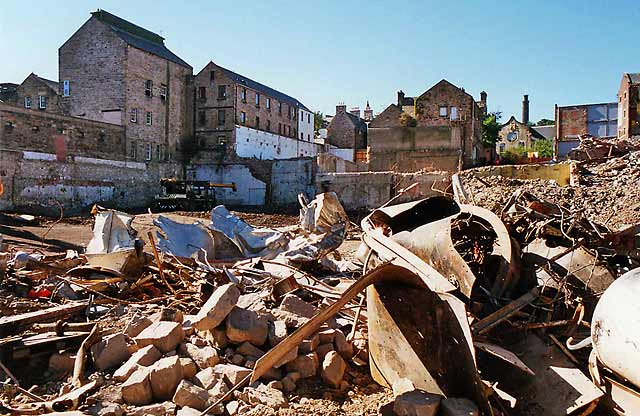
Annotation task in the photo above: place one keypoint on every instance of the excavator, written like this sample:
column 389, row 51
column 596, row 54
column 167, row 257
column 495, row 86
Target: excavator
column 179, row 195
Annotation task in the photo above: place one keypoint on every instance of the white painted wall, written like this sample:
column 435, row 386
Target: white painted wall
column 346, row 154
column 268, row 146
column 249, row 190
column 305, row 125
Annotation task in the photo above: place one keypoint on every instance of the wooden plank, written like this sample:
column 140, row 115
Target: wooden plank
column 503, row 313
column 12, row 323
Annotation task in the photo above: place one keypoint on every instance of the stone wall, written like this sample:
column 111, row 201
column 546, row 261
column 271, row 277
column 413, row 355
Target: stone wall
column 369, row 190
column 343, row 132
column 93, row 61
column 290, row 178
column 34, row 88
column 410, row 149
column 32, row 130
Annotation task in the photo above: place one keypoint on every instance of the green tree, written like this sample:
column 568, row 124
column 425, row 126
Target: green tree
column 490, row 128
column 318, row 118
column 544, row 147
column 407, row 121
column 545, row 122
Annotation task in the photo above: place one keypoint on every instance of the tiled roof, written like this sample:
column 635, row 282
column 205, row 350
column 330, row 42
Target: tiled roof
column 254, row 85
column 138, row 37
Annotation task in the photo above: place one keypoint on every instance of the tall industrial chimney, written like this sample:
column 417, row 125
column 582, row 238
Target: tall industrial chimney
column 525, row 109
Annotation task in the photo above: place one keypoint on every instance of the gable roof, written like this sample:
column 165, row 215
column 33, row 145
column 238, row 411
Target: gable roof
column 533, row 131
column 138, row 37
column 51, row 84
column 634, row 78
column 447, row 83
column 255, row 85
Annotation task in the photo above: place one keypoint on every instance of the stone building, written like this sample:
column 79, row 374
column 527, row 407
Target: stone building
column 38, row 93
column 574, row 121
column 440, row 129
column 629, row 106
column 515, row 134
column 346, row 134
column 114, row 71
column 237, row 117
column 8, row 92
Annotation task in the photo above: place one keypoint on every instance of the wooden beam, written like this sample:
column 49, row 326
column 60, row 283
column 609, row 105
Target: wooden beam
column 10, row 324
column 503, row 313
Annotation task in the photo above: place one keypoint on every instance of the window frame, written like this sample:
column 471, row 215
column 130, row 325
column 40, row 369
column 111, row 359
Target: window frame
column 202, row 117
column 222, row 92
column 148, row 154
column 66, row 88
column 27, row 102
column 268, row 103
column 148, row 88
column 446, row 111
column 148, row 118
column 202, row 93
column 164, row 91
column 257, row 100
column 42, row 102
column 133, row 115
column 243, row 117
column 243, row 95
column 222, row 120
column 257, row 122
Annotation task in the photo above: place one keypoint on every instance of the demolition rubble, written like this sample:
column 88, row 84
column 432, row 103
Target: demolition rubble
column 505, row 297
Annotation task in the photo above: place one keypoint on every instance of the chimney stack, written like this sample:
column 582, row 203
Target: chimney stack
column 341, row 108
column 525, row 109
column 483, row 98
column 400, row 98
column 355, row 111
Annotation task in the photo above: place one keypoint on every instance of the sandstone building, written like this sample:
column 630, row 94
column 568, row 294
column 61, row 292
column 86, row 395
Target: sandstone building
column 629, row 106
column 113, row 71
column 439, row 130
column 237, row 117
column 35, row 93
column 346, row 133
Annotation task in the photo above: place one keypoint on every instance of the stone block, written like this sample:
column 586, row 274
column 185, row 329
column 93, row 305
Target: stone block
column 203, row 356
column 233, row 373
column 277, row 332
column 417, row 403
column 306, row 365
column 164, row 335
column 324, row 349
column 344, row 348
column 333, row 367
column 245, row 325
column 165, row 375
column 144, row 357
column 217, row 307
column 137, row 389
column 189, row 368
column 111, row 351
column 309, row 345
column 189, row 395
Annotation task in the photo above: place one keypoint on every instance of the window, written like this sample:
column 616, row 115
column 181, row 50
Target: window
column 212, row 76
column 202, row 118
column 268, row 125
column 308, row 118
column 268, row 103
column 257, row 100
column 222, row 92
column 243, row 117
column 163, row 92
column 148, row 88
column 222, row 140
column 454, row 113
column 308, row 136
column 202, row 93
column 279, row 108
column 443, row 111
column 42, row 102
column 301, row 136
column 65, row 88
column 134, row 115
column 221, row 117
column 27, row 102
column 148, row 151
column 159, row 151
column 301, row 115
column 134, row 150
column 257, row 122
column 295, row 133
column 149, row 118
column 288, row 130
column 243, row 95
column 279, row 128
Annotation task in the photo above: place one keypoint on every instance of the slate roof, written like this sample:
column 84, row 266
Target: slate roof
column 357, row 121
column 52, row 84
column 138, row 37
column 634, row 77
column 254, row 85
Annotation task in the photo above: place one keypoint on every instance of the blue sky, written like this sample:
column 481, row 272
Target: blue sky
column 321, row 52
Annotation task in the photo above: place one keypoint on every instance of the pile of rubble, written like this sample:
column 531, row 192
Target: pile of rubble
column 447, row 308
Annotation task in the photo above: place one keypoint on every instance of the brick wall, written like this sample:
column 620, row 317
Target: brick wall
column 571, row 121
column 32, row 130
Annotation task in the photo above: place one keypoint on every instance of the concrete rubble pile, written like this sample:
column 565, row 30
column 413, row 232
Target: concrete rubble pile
column 452, row 308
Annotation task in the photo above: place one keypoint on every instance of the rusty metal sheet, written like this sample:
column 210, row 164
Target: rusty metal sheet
column 424, row 336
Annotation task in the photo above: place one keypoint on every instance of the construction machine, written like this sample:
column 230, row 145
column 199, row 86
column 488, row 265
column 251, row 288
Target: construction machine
column 178, row 195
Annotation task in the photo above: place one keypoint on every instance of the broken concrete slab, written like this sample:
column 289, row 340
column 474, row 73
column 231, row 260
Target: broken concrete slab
column 417, row 403
column 188, row 411
column 189, row 395
column 217, row 307
column 165, row 375
column 245, row 325
column 333, row 367
column 143, row 357
column 164, row 335
column 137, row 389
column 111, row 351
